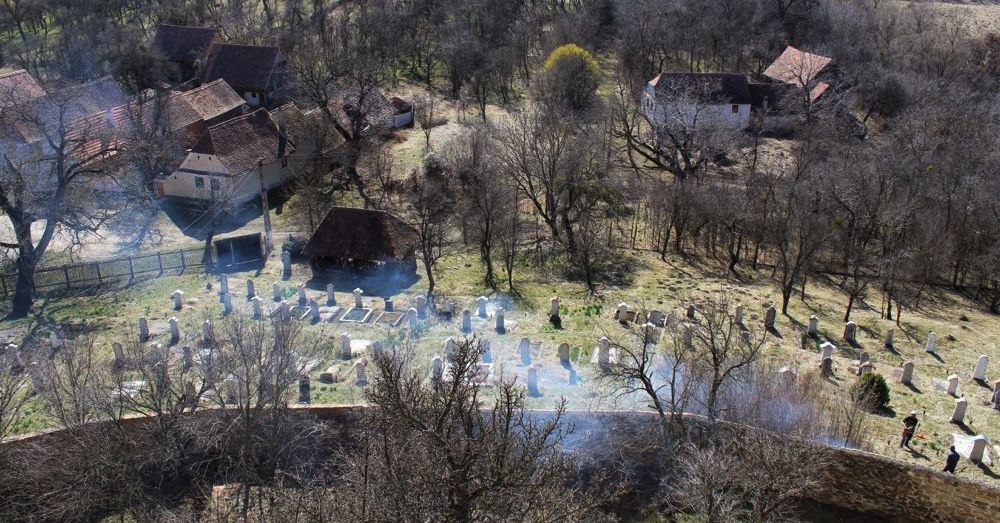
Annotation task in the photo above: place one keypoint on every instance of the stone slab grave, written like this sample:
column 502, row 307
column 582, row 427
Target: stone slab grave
column 624, row 314
column 390, row 318
column 965, row 443
column 359, row 313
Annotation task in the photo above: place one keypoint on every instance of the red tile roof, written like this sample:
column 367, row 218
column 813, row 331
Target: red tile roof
column 241, row 142
column 796, row 67
column 18, row 87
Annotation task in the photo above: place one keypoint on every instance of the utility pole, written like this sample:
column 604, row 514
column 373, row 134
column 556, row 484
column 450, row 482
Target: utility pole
column 268, row 238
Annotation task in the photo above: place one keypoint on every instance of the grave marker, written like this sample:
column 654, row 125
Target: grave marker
column 980, row 371
column 467, row 321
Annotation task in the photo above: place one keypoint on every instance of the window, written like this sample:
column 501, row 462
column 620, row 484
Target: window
column 199, row 182
column 736, row 109
column 215, row 184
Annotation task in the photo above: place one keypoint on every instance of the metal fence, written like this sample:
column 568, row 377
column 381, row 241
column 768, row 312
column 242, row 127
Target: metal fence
column 122, row 270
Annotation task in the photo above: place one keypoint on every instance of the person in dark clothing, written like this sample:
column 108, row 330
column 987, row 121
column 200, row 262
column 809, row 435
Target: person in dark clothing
column 909, row 427
column 951, row 461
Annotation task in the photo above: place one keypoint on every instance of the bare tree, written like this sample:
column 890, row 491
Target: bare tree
column 430, row 202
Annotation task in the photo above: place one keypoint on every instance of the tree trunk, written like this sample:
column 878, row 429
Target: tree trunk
column 24, row 293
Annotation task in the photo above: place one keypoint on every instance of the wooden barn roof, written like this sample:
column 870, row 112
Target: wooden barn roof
column 184, row 44
column 244, row 67
column 362, row 234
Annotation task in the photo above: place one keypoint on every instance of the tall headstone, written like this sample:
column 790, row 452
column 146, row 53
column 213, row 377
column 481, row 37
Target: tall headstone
column 953, row 385
column 227, row 304
column 958, row 415
column 564, row 354
column 286, row 264
column 691, row 311
column 143, row 329
column 739, row 314
column 175, row 330
column 331, row 298
column 533, row 390
column 978, row 451
column 437, row 370
column 251, row 289
column 604, row 352
column 980, row 371
column 412, row 315
column 524, row 351
column 890, row 337
column 864, row 357
column 906, row 378
column 501, row 323
column 826, row 367
column 623, row 312
column 388, row 304
column 345, row 346
column 314, row 311
column 358, row 302
column 178, row 296
column 54, row 340
column 362, row 372
column 467, row 321
column 826, row 350
column 481, row 306
column 303, row 299
column 207, row 333
column 813, row 326
column 422, row 306
column 931, row 342
column 276, row 292
column 187, row 357
column 770, row 317
column 223, row 285
column 258, row 307
column 487, row 348
column 450, row 349
column 554, row 304
column 851, row 333
column 305, row 394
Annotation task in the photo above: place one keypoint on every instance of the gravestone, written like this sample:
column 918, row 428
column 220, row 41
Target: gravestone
column 314, row 311
column 207, row 333
column 604, row 352
column 533, row 382
column 358, row 303
column 437, row 370
column 931, row 342
column 907, row 377
column 258, row 307
column 276, row 292
column 303, row 299
column 688, row 331
column 826, row 350
column 787, row 376
column 388, row 305
column 422, row 307
column 223, row 285
column 119, row 353
column 691, row 311
column 554, row 304
column 851, row 333
column 978, row 452
column 305, row 395
column 826, row 367
column 813, row 326
column 54, row 340
column 178, row 296
column 450, row 349
column 481, row 306
column 769, row 317
column 739, row 314
column 623, row 312
column 251, row 290
column 863, row 357
column 650, row 334
column 175, row 330
column 143, row 329
column 361, row 367
column 286, row 264
column 412, row 315
column 331, row 298
column 501, row 325
column 187, row 358
column 283, row 313
column 487, row 347
column 227, row 304
column 330, row 375
column 958, row 415
column 524, row 351
column 345, row 346
column 467, row 321
column 564, row 354
column 980, row 371
column 890, row 337
column 952, row 385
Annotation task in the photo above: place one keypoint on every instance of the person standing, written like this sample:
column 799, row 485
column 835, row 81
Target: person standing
column 951, row 461
column 909, row 427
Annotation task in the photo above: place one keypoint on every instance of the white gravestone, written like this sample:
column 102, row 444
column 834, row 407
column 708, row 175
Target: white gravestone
column 931, row 342
column 554, row 304
column 564, row 354
column 175, row 330
column 958, row 415
column 980, row 371
column 358, row 303
column 826, row 350
column 345, row 346
column 481, row 306
column 412, row 315
column 331, row 299
column 178, row 297
column 953, row 385
column 467, row 321
column 533, row 382
column 907, row 377
column 813, row 326
column 258, row 309
column 524, row 351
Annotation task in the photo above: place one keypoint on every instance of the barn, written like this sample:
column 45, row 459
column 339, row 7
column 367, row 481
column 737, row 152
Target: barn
column 361, row 239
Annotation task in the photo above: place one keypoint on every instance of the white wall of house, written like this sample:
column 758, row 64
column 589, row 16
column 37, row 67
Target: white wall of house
column 735, row 116
column 252, row 98
column 204, row 177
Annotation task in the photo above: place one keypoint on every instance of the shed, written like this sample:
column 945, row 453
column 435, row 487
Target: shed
column 361, row 238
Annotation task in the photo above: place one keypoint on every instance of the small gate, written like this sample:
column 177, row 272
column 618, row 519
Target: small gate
column 239, row 253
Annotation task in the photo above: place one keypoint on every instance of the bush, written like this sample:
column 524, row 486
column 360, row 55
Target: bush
column 871, row 391
column 573, row 76
column 293, row 244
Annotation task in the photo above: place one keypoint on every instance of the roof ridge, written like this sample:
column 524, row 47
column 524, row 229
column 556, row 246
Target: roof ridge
column 220, row 44
column 236, row 119
column 16, row 71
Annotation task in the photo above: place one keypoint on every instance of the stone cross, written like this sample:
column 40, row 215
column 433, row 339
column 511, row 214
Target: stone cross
column 358, row 304
column 826, row 367
column 187, row 357
column 533, row 382
column 691, row 311
column 362, row 372
column 907, row 377
column 175, row 330
column 207, row 332
column 251, row 290
column 331, row 299
column 481, row 306
column 143, row 329
column 863, row 357
column 305, row 395
column 412, row 314
column 953, row 385
column 826, row 350
column 604, row 352
column 314, row 311
column 422, row 306
column 978, row 449
column 623, row 312
column 258, row 310
column 286, row 264
column 501, row 325
column 554, row 304
column 958, row 415
column 739, row 314
column 851, row 332
column 437, row 369
column 276, row 292
column 769, row 317
column 389, row 306
column 345, row 346
column 487, row 351
column 813, row 326
column 980, row 372
column 524, row 350
column 178, row 296
column 931, row 342
column 564, row 354
column 227, row 304
column 890, row 337
column 467, row 321
column 302, row 295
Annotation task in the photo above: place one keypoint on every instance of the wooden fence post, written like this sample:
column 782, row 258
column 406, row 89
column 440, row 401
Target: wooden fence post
column 3, row 284
column 97, row 267
column 183, row 265
column 159, row 262
column 66, row 275
column 131, row 269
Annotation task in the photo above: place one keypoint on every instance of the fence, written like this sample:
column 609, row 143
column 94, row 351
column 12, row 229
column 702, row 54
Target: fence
column 117, row 270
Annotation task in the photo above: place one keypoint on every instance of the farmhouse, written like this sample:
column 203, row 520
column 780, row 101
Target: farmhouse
column 18, row 87
column 804, row 70
column 185, row 47
column 364, row 238
column 698, row 99
column 223, row 166
column 258, row 73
